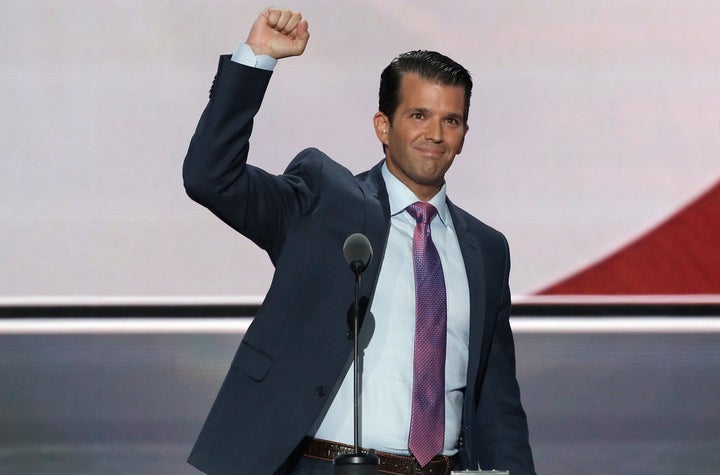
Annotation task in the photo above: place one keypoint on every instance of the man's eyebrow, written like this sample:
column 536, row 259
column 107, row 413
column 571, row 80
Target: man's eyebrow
column 425, row 110
column 455, row 115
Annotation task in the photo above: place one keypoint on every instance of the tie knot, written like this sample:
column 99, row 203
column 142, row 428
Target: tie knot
column 422, row 211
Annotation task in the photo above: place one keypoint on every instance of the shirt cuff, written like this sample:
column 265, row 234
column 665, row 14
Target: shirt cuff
column 244, row 55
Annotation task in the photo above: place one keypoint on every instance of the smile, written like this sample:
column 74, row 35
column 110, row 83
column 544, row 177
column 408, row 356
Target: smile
column 435, row 152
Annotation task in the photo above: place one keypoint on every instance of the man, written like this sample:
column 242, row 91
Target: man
column 286, row 404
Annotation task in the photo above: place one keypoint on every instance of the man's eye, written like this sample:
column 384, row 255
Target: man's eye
column 418, row 115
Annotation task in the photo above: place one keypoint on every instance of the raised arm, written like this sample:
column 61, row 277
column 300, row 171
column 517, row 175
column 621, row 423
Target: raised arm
column 252, row 201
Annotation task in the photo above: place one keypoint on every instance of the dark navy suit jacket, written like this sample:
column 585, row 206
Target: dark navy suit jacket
column 296, row 352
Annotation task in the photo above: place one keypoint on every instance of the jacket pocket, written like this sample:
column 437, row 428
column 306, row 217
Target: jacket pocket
column 252, row 362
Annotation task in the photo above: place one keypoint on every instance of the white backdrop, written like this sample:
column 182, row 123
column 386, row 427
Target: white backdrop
column 590, row 123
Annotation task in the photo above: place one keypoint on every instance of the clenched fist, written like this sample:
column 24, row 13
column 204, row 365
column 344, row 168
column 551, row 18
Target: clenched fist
column 279, row 33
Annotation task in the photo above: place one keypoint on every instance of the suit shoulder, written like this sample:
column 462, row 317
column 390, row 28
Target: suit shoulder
column 317, row 169
column 478, row 227
column 314, row 161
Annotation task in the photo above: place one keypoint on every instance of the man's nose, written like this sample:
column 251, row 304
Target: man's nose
column 434, row 131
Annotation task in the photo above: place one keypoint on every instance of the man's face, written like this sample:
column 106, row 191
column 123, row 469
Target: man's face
column 427, row 131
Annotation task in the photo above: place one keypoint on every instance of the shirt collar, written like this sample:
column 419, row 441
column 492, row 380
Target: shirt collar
column 400, row 196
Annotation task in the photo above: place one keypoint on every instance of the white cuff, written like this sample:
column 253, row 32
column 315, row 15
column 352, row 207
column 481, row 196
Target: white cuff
column 244, row 55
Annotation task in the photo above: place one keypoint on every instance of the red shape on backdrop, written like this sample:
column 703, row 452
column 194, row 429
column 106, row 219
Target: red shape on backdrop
column 679, row 256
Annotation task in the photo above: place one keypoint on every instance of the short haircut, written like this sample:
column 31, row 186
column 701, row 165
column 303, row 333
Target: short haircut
column 429, row 65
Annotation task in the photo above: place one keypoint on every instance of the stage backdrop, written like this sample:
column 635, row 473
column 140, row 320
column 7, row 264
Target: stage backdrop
column 594, row 130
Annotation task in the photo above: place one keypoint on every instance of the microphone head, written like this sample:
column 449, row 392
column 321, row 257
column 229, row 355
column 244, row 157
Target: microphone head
column 358, row 252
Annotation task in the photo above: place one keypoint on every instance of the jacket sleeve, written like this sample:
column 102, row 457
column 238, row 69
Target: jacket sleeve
column 215, row 171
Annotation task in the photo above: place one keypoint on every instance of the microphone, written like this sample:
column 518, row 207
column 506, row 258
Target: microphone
column 358, row 252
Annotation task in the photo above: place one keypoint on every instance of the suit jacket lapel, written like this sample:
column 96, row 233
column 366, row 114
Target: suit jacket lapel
column 376, row 222
column 475, row 270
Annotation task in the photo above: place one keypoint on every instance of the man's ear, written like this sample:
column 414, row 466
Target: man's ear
column 382, row 124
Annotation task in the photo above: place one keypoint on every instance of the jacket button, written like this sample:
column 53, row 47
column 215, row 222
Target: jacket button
column 321, row 391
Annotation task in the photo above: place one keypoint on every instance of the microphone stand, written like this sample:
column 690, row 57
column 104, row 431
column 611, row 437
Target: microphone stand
column 356, row 463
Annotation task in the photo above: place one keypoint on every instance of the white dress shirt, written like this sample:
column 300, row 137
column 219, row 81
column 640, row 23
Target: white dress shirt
column 387, row 377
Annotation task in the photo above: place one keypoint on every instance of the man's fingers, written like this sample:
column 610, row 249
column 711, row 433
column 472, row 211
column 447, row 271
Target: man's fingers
column 302, row 30
column 272, row 15
column 279, row 33
column 292, row 23
column 283, row 21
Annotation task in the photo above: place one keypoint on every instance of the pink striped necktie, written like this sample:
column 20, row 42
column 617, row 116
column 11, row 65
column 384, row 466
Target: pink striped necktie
column 427, row 423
